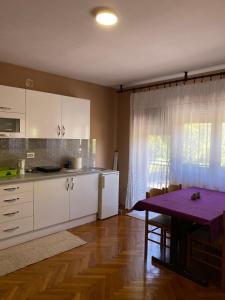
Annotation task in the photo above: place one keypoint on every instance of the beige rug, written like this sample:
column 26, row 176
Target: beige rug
column 20, row 256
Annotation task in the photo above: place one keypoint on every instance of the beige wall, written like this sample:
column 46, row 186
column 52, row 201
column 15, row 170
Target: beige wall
column 103, row 103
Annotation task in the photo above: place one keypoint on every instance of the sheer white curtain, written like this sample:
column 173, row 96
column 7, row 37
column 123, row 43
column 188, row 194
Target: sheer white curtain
column 177, row 135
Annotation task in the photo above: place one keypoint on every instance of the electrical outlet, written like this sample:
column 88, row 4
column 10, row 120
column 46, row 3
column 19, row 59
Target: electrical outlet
column 30, row 155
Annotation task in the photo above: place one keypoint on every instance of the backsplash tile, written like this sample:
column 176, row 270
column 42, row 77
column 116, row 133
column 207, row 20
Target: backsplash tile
column 47, row 151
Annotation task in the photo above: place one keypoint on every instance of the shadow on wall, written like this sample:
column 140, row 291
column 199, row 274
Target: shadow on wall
column 123, row 142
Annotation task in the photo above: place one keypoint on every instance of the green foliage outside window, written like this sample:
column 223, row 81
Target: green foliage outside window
column 196, row 144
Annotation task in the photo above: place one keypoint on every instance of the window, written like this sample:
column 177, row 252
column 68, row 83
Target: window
column 177, row 136
column 159, row 160
column 195, row 152
column 196, row 144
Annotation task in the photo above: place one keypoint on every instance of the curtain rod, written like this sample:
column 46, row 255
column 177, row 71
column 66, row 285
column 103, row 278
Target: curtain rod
column 173, row 81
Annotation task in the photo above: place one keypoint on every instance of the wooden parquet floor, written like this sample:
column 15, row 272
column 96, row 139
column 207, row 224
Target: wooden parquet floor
column 110, row 266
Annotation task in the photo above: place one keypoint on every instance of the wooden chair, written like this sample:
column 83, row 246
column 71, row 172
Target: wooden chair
column 209, row 254
column 169, row 189
column 155, row 192
column 173, row 188
column 161, row 222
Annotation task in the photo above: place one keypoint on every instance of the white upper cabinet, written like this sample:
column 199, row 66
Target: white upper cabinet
column 75, row 118
column 12, row 99
column 43, row 115
column 48, row 116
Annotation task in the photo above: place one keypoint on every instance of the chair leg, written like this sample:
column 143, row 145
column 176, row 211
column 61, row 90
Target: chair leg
column 223, row 268
column 146, row 236
column 164, row 243
column 223, row 257
column 189, row 253
column 162, row 232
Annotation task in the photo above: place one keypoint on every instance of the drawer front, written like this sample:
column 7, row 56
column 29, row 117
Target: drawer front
column 14, row 198
column 15, row 212
column 11, row 189
column 17, row 227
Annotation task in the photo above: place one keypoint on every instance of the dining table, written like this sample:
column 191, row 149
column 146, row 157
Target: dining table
column 186, row 213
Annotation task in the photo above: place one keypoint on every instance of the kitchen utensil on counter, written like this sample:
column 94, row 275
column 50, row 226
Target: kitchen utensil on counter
column 68, row 164
column 77, row 163
column 48, row 169
column 21, row 166
column 7, row 172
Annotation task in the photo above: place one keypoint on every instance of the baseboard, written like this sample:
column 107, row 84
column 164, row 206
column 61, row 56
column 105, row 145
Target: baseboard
column 45, row 231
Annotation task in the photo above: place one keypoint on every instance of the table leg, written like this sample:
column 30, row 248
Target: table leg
column 174, row 240
column 177, row 252
column 146, row 235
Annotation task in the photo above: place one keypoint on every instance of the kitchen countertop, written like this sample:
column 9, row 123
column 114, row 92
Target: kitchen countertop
column 35, row 176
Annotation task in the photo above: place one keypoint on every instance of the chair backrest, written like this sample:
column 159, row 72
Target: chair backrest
column 155, row 192
column 173, row 188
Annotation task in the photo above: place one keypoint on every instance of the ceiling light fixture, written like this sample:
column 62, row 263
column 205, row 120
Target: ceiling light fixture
column 106, row 17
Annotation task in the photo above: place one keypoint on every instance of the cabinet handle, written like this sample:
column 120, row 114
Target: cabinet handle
column 11, row 189
column 11, row 214
column 11, row 200
column 67, row 184
column 5, row 107
column 11, row 229
column 72, row 184
column 59, row 130
column 63, row 130
column 103, row 182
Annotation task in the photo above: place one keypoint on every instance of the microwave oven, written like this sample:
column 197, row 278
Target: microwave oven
column 12, row 125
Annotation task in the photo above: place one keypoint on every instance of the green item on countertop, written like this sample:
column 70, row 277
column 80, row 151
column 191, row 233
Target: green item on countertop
column 7, row 172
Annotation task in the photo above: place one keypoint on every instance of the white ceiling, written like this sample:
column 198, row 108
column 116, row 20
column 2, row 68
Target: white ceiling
column 153, row 38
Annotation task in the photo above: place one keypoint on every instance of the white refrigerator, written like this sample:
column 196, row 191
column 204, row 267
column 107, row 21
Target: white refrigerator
column 108, row 194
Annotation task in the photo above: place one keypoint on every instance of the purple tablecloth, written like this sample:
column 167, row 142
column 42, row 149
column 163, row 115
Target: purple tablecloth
column 208, row 210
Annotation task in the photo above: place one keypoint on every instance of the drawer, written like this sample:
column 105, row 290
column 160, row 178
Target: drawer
column 16, row 188
column 17, row 227
column 15, row 212
column 15, row 198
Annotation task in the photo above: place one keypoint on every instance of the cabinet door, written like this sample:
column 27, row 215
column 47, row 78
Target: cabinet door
column 75, row 118
column 12, row 99
column 43, row 115
column 51, row 202
column 83, row 195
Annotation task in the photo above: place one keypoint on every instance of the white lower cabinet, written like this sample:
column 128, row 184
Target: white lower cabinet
column 14, row 212
column 27, row 207
column 63, row 199
column 13, row 228
column 11, row 190
column 16, row 209
column 83, row 195
column 16, row 198
column 51, row 202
